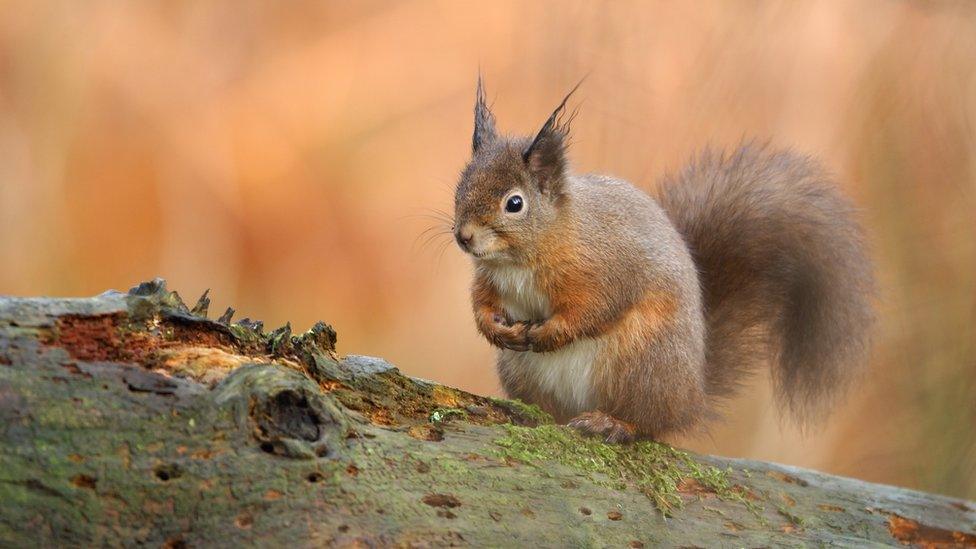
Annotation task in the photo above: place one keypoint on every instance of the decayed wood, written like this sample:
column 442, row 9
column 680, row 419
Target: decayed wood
column 130, row 418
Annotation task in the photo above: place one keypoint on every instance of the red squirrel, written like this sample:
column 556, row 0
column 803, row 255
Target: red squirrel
column 631, row 317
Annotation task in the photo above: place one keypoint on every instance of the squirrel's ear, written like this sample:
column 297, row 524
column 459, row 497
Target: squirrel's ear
column 484, row 121
column 546, row 155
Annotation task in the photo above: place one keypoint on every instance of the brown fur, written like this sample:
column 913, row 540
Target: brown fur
column 785, row 273
column 610, row 309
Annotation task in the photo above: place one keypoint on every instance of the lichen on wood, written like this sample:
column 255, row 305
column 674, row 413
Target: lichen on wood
column 131, row 418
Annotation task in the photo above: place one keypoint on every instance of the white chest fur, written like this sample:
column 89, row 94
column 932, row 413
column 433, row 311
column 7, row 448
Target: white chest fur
column 565, row 373
column 520, row 296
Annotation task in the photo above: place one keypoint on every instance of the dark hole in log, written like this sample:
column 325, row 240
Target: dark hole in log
column 166, row 473
column 289, row 414
column 314, row 477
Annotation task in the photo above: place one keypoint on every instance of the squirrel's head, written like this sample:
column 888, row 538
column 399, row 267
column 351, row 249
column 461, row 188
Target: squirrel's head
column 512, row 190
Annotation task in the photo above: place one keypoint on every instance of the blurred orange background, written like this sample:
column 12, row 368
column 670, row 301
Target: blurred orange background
column 286, row 154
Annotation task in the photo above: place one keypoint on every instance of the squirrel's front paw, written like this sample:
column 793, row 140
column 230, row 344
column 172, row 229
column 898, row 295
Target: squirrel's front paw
column 514, row 336
column 605, row 426
column 544, row 336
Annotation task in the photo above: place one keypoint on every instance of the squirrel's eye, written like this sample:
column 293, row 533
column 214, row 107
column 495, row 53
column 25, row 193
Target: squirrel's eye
column 514, row 204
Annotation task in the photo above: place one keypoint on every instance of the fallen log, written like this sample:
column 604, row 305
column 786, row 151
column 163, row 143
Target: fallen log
column 130, row 418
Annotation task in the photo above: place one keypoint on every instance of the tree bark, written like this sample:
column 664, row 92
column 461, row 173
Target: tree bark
column 131, row 419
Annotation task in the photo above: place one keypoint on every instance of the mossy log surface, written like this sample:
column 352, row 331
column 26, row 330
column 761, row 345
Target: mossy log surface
column 133, row 419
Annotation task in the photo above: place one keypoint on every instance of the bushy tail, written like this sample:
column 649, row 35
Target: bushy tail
column 785, row 276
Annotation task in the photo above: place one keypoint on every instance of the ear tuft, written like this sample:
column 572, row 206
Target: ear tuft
column 484, row 121
column 546, row 155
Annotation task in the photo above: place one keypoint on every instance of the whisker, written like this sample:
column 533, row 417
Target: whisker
column 434, row 214
column 435, row 227
column 440, row 253
column 443, row 218
column 428, row 235
column 434, row 236
column 443, row 225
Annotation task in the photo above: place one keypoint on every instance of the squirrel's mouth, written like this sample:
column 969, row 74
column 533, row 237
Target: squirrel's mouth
column 491, row 257
column 482, row 256
column 477, row 254
column 474, row 251
column 481, row 243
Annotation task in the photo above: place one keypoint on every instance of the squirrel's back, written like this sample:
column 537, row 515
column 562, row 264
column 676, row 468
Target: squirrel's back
column 784, row 272
column 631, row 237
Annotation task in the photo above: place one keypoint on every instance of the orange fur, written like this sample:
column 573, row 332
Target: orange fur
column 578, row 309
column 491, row 319
column 657, row 396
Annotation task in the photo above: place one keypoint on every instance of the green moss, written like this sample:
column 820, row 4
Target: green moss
column 529, row 412
column 795, row 520
column 452, row 467
column 653, row 468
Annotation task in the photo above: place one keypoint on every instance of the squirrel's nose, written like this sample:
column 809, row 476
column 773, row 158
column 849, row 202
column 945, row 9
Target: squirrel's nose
column 464, row 238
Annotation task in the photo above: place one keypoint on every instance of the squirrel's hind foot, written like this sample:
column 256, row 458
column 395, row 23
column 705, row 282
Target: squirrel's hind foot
column 605, row 426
